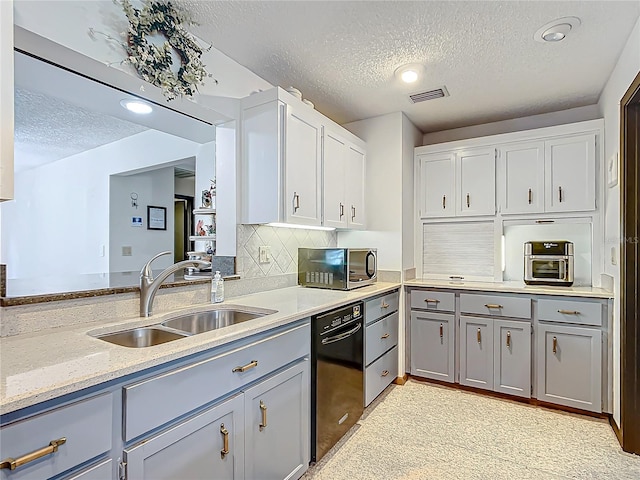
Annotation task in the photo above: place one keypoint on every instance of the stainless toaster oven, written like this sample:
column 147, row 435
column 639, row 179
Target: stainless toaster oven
column 548, row 263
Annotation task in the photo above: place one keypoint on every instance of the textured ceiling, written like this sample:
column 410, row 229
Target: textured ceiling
column 342, row 54
column 49, row 129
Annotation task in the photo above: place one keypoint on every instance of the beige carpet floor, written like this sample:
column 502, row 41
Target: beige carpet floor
column 423, row 431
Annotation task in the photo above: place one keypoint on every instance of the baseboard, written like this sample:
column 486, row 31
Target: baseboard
column 401, row 380
column 616, row 429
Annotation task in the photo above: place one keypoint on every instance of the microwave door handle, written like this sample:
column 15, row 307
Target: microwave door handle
column 370, row 273
column 563, row 269
column 342, row 336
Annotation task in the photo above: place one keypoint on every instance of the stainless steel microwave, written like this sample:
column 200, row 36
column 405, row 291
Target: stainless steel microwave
column 337, row 268
column 548, row 263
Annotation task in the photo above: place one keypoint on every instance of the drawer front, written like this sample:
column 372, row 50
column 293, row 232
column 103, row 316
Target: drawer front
column 574, row 311
column 101, row 471
column 180, row 391
column 86, row 425
column 380, row 337
column 381, row 306
column 435, row 301
column 380, row 374
column 496, row 305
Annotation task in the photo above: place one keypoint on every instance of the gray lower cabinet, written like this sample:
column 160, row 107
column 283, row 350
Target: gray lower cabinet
column 569, row 363
column 432, row 345
column 209, row 445
column 476, row 352
column 100, row 471
column 495, row 354
column 277, row 425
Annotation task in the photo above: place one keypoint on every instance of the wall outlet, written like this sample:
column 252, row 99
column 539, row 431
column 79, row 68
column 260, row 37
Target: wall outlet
column 264, row 254
column 126, row 251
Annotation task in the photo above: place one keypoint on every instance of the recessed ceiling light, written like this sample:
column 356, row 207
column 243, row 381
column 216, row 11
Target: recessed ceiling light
column 136, row 106
column 409, row 73
column 556, row 30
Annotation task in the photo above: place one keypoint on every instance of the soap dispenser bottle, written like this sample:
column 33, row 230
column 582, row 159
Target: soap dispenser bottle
column 217, row 288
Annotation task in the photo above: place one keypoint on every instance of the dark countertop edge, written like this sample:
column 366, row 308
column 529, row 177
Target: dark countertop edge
column 55, row 297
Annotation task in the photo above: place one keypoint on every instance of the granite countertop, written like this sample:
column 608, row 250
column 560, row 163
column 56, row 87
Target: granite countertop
column 41, row 366
column 512, row 287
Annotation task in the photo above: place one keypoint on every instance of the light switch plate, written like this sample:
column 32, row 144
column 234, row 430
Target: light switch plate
column 264, row 254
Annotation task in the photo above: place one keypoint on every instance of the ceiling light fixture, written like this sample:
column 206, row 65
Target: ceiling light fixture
column 409, row 73
column 557, row 30
column 137, row 106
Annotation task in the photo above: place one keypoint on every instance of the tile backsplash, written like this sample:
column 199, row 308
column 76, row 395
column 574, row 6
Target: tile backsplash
column 284, row 244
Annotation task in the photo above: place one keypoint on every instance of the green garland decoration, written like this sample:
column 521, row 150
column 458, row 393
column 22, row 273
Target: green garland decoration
column 154, row 63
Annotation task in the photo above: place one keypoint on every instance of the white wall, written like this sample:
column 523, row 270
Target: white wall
column 61, row 210
column 184, row 186
column 623, row 74
column 6, row 100
column 155, row 188
column 411, row 138
column 579, row 114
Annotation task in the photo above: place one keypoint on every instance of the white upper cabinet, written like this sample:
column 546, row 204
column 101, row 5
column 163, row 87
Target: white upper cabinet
column 570, row 173
column 343, row 170
column 298, row 166
column 457, row 183
column 522, row 165
column 476, row 178
column 437, row 185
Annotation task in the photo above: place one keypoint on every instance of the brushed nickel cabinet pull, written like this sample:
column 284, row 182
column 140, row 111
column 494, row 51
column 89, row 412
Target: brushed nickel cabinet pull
column 555, row 344
column 384, row 305
column 13, row 463
column 569, row 312
column 468, row 200
column 444, row 202
column 479, row 335
column 296, row 202
column 225, row 441
column 263, row 408
column 560, row 194
column 385, row 373
column 386, row 335
column 353, row 213
column 431, row 300
column 441, row 330
column 530, row 197
column 341, row 210
column 493, row 305
column 508, row 339
column 252, row 364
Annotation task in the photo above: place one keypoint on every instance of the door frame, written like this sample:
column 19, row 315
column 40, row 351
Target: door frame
column 629, row 265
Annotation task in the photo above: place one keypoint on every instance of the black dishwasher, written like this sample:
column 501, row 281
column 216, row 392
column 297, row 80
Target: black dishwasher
column 337, row 372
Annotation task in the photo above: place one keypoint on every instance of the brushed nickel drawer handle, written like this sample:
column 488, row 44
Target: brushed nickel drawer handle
column 560, row 194
column 441, row 330
column 508, row 339
column 444, row 201
column 225, row 440
column 530, row 197
column 468, row 200
column 479, row 335
column 569, row 312
column 341, row 210
column 384, row 305
column 385, row 373
column 353, row 213
column 254, row 363
column 13, row 463
column 555, row 345
column 386, row 335
column 263, row 408
column 493, row 305
column 431, row 300
column 296, row 202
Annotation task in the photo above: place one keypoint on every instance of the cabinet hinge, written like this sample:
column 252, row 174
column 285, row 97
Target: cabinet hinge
column 122, row 470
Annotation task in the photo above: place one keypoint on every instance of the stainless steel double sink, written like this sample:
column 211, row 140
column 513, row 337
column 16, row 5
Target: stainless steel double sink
column 181, row 326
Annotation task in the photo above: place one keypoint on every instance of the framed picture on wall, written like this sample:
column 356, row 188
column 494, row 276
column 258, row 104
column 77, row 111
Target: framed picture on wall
column 156, row 218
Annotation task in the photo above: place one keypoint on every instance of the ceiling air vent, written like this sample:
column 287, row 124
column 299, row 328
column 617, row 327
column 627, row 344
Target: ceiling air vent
column 429, row 95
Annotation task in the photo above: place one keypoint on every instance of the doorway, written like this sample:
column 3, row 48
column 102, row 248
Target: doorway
column 183, row 206
column 630, row 266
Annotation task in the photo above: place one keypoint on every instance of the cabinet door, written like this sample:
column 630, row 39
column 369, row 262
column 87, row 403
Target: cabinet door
column 570, row 174
column 476, row 352
column 355, row 188
column 569, row 366
column 523, row 177
column 334, row 168
column 277, row 425
column 436, row 185
column 302, row 136
column 195, row 448
column 512, row 357
column 476, row 181
column 432, row 345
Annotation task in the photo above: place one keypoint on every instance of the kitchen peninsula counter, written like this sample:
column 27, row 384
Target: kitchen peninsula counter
column 511, row 287
column 41, row 366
